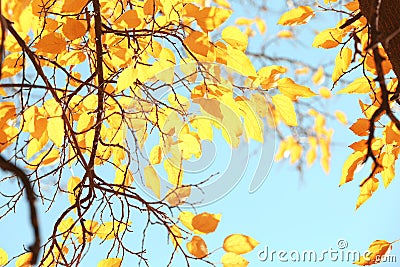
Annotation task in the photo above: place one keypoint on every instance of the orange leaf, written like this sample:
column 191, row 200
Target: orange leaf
column 206, row 222
column 198, row 42
column 328, row 38
column 130, row 18
column 73, row 6
column 52, row 43
column 360, row 127
column 350, row 166
column 197, row 247
column 73, row 29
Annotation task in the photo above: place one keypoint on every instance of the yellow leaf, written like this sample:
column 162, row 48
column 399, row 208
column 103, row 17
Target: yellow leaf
column 126, row 78
column 312, row 152
column 189, row 145
column 175, row 235
column 152, row 180
column 174, row 171
column 341, row 117
column 223, row 3
column 238, row 61
column 24, row 260
column 3, row 257
column 65, row 226
column 270, row 75
column 325, row 92
column 206, row 222
column 388, row 172
column 328, row 38
column 239, row 244
column 155, row 155
column 123, row 177
column 197, row 247
column 285, row 108
column 318, row 77
column 210, row 18
column 350, row 166
column 72, row 192
column 73, row 29
column 198, row 42
column 235, row 37
column 359, row 86
column 73, row 6
column 110, row 262
column 261, row 26
column 297, row 16
column 342, row 63
column 376, row 252
column 177, row 196
column 12, row 64
column 231, row 259
column 52, row 43
column 285, row 34
column 292, row 90
column 109, row 230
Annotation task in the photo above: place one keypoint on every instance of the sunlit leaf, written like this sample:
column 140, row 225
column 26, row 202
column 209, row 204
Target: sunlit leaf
column 376, row 251
column 285, row 108
column 152, row 180
column 235, row 37
column 231, row 259
column 197, row 247
column 239, row 244
column 342, row 63
column 110, row 262
column 53, row 43
column 3, row 257
column 296, row 16
column 206, row 222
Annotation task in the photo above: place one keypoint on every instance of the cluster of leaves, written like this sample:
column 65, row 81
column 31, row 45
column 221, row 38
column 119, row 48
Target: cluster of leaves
column 85, row 76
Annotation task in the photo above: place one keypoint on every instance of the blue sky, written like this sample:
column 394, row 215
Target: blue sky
column 286, row 212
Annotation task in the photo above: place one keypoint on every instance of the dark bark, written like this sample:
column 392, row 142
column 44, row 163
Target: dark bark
column 388, row 24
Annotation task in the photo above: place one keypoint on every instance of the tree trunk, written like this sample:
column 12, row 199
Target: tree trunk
column 388, row 23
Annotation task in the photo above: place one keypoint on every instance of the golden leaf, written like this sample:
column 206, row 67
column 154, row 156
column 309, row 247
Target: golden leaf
column 292, row 90
column 350, row 166
column 342, row 63
column 24, row 260
column 3, row 257
column 297, row 16
column 377, row 250
column 341, row 117
column 285, row 108
column 175, row 235
column 328, row 38
column 210, row 18
column 110, row 262
column 72, row 192
column 231, row 259
column 359, row 86
column 152, row 180
column 239, row 244
column 235, row 37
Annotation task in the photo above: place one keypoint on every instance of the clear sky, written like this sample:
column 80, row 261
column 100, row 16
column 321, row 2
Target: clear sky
column 287, row 212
